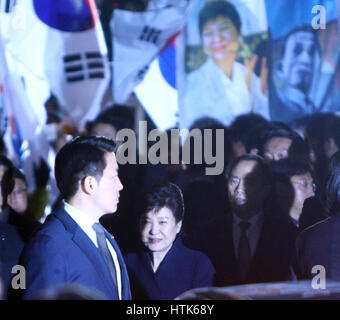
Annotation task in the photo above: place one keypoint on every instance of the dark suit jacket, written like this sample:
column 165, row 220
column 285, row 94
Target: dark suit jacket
column 11, row 246
column 62, row 253
column 312, row 212
column 182, row 269
column 320, row 245
column 273, row 258
column 25, row 225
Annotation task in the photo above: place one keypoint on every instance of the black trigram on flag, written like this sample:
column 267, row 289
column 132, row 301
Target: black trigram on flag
column 150, row 34
column 141, row 73
column 84, row 66
column 7, row 6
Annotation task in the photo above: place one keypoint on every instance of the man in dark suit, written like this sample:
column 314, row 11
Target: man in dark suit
column 72, row 247
column 250, row 244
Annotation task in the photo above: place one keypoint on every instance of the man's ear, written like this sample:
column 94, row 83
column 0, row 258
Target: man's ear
column 330, row 147
column 179, row 226
column 89, row 184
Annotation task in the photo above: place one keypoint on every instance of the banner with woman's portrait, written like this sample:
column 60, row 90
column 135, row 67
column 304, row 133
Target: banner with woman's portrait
column 222, row 65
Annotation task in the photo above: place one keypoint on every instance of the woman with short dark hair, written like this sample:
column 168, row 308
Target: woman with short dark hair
column 164, row 268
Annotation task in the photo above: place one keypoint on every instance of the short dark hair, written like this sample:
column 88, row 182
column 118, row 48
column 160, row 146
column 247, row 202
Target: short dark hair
column 161, row 195
column 287, row 168
column 18, row 174
column 208, row 123
column 331, row 196
column 262, row 164
column 299, row 148
column 274, row 133
column 215, row 9
column 118, row 116
column 80, row 157
column 246, row 128
column 320, row 128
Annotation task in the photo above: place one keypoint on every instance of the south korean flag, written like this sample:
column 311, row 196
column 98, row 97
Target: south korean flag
column 63, row 42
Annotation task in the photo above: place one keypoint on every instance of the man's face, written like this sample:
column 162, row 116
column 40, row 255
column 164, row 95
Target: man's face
column 277, row 148
column 299, row 59
column 303, row 189
column 220, row 38
column 17, row 199
column 106, row 196
column 247, row 189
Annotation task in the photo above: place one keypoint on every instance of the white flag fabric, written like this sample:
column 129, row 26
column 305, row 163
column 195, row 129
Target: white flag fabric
column 138, row 37
column 62, row 44
column 158, row 97
column 24, row 135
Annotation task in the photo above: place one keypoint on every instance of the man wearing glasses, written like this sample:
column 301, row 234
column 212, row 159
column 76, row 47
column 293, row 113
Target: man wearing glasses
column 294, row 184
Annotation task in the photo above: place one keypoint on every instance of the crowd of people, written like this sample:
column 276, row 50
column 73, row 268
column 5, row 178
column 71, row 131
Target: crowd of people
column 146, row 231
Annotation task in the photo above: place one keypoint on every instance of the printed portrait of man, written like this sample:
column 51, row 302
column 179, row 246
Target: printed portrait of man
column 294, row 73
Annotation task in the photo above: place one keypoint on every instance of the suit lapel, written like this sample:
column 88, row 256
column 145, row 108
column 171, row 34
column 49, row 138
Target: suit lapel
column 265, row 239
column 149, row 277
column 232, row 255
column 88, row 248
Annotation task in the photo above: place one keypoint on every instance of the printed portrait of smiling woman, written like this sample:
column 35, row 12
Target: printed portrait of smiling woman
column 164, row 268
column 223, row 87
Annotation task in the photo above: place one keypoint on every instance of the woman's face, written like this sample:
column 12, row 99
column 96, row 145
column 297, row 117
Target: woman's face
column 159, row 229
column 17, row 200
column 220, row 37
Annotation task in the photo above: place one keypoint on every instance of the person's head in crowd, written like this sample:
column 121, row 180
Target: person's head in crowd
column 161, row 215
column 331, row 194
column 220, row 30
column 299, row 56
column 18, row 198
column 219, row 152
column 323, row 132
column 249, row 184
column 244, row 132
column 294, row 183
column 110, row 121
column 6, row 180
column 59, row 127
column 278, row 143
column 66, row 132
column 86, row 173
column 102, row 127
